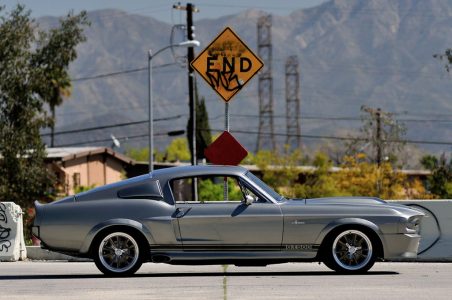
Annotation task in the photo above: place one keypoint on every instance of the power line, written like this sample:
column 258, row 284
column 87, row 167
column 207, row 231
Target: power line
column 340, row 138
column 342, row 9
column 124, row 138
column 328, row 118
column 351, row 67
column 306, row 136
column 128, row 71
column 120, row 108
column 110, row 126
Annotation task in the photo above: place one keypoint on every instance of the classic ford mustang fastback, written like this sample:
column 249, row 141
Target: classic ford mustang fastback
column 222, row 215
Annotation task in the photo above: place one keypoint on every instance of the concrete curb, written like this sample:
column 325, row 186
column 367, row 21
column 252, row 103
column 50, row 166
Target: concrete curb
column 36, row 253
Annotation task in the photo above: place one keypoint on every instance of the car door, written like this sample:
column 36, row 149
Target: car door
column 213, row 222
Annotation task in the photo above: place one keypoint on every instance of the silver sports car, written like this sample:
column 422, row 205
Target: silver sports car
column 222, row 215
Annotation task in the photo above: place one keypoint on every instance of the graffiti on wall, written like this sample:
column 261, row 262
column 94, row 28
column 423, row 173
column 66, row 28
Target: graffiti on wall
column 5, row 244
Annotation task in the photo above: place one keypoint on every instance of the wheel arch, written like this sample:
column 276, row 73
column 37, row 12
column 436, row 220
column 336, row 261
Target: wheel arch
column 125, row 224
column 366, row 226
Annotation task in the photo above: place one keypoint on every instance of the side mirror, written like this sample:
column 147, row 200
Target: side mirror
column 248, row 199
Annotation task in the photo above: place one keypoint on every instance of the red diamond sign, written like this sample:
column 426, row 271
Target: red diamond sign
column 225, row 150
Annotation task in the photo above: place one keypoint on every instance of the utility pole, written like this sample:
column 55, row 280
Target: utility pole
column 378, row 117
column 190, row 57
column 376, row 113
column 190, row 8
column 293, row 103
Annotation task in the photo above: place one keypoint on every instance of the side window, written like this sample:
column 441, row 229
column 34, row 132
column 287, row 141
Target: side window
column 248, row 192
column 210, row 189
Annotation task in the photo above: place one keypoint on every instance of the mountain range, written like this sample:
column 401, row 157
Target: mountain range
column 377, row 53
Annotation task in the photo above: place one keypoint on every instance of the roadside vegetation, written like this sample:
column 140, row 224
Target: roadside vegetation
column 34, row 79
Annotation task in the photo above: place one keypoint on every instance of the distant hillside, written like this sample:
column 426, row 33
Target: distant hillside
column 352, row 53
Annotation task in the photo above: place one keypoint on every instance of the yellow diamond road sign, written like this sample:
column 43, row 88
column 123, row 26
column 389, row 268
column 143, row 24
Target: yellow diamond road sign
column 227, row 64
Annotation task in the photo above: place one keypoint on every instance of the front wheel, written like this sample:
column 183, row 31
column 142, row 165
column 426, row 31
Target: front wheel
column 350, row 251
column 118, row 254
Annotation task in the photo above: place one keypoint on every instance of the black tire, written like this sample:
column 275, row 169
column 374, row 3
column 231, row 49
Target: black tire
column 118, row 252
column 349, row 251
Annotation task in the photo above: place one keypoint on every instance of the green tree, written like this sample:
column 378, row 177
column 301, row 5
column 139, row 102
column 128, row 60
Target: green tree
column 358, row 177
column 280, row 170
column 429, row 162
column 56, row 50
column 320, row 182
column 177, row 150
column 142, row 154
column 440, row 182
column 23, row 175
column 210, row 191
column 138, row 154
column 203, row 135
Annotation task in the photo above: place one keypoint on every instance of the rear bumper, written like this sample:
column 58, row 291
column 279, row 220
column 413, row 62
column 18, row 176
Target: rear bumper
column 35, row 230
column 400, row 246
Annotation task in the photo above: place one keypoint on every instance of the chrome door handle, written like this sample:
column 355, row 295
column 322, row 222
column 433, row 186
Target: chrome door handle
column 180, row 213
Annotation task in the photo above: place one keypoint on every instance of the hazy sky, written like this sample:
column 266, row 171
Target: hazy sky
column 161, row 9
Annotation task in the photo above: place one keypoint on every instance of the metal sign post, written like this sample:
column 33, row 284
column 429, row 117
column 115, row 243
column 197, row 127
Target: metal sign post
column 227, row 64
column 226, row 128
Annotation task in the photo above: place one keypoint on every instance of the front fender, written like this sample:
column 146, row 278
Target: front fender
column 114, row 222
column 347, row 221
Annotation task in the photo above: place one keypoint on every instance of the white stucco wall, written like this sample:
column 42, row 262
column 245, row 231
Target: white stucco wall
column 12, row 244
column 436, row 228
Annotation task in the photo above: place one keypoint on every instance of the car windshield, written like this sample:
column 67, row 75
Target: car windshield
column 264, row 187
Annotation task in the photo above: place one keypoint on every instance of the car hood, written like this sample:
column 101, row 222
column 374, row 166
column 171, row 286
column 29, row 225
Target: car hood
column 355, row 202
column 345, row 201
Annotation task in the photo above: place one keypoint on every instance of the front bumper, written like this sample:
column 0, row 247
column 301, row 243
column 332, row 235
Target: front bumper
column 401, row 246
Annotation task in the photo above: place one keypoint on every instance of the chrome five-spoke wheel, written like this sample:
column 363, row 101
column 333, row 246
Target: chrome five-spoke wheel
column 118, row 253
column 351, row 251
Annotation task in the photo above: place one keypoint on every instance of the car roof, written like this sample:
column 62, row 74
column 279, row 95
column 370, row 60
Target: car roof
column 199, row 170
column 110, row 190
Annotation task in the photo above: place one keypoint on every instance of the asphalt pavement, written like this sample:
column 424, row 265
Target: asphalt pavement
column 81, row 280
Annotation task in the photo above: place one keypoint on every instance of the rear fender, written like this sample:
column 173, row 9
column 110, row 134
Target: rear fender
column 115, row 222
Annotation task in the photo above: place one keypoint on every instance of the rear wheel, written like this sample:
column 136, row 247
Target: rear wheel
column 350, row 251
column 118, row 253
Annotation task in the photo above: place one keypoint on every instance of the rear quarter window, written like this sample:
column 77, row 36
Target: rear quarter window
column 146, row 190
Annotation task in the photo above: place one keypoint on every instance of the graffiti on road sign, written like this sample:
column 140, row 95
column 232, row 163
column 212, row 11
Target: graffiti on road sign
column 227, row 64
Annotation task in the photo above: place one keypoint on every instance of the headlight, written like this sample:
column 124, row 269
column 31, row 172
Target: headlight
column 412, row 224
